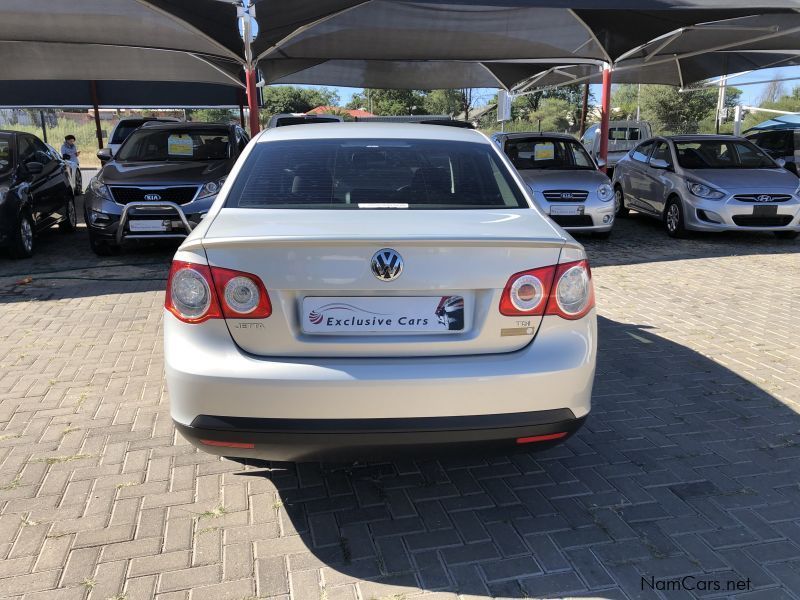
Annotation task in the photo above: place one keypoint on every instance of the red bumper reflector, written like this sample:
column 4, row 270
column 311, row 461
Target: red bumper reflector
column 541, row 438
column 227, row 444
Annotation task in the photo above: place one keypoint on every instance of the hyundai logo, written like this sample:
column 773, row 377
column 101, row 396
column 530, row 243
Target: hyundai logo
column 566, row 195
column 152, row 197
column 764, row 198
column 387, row 264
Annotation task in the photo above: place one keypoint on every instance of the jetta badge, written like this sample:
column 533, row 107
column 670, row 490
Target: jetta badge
column 387, row 264
column 764, row 198
column 152, row 197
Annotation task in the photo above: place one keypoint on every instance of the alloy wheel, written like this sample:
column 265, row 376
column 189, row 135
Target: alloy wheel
column 673, row 217
column 26, row 234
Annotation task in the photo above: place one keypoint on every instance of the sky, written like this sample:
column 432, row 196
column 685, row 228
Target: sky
column 751, row 94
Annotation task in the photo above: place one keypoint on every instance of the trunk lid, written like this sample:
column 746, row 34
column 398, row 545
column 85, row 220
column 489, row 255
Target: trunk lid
column 317, row 264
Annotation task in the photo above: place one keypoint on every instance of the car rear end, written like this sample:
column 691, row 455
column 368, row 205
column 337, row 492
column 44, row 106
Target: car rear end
column 356, row 330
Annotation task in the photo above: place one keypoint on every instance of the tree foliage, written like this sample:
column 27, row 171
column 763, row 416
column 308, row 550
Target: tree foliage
column 292, row 99
column 390, row 102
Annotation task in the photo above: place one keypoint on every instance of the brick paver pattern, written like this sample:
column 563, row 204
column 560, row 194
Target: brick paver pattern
column 688, row 465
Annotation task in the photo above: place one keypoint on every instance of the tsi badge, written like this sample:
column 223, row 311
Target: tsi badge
column 387, row 264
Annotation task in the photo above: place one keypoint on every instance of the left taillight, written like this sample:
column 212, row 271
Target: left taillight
column 196, row 293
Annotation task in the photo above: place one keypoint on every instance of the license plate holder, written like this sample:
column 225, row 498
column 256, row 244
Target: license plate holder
column 375, row 315
column 568, row 210
column 147, row 225
column 765, row 211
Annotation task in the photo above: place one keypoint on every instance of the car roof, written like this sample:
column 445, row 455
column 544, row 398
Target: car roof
column 184, row 125
column 540, row 134
column 408, row 131
column 697, row 137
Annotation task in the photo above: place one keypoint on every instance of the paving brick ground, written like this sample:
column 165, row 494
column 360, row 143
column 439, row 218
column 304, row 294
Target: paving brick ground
column 688, row 465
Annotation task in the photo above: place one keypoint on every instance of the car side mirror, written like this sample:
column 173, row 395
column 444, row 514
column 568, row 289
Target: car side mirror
column 601, row 163
column 105, row 154
column 781, row 163
column 34, row 168
column 659, row 163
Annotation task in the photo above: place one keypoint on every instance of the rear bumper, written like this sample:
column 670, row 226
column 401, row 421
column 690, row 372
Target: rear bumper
column 367, row 439
column 364, row 403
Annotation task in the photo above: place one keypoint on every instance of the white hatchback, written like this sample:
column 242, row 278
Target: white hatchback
column 359, row 290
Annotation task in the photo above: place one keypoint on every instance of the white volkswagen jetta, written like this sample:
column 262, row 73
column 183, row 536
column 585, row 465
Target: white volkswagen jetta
column 362, row 289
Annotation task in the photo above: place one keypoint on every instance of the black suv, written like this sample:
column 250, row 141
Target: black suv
column 35, row 192
column 160, row 183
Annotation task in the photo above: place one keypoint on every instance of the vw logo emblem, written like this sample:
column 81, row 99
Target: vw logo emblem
column 764, row 198
column 387, row 264
column 152, row 197
column 566, row 195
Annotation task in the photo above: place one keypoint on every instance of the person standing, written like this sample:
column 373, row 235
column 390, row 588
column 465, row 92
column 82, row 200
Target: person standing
column 70, row 153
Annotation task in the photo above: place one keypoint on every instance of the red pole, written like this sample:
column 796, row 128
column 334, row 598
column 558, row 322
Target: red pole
column 252, row 100
column 605, row 116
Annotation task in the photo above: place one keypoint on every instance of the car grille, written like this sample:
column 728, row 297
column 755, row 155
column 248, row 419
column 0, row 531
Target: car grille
column 565, row 195
column 755, row 198
column 765, row 221
column 573, row 220
column 178, row 194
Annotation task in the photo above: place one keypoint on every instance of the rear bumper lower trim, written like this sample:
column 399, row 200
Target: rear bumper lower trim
column 367, row 439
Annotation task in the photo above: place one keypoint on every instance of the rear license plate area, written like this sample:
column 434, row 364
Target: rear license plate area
column 376, row 315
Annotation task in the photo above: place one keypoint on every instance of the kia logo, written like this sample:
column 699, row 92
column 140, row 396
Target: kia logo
column 387, row 264
column 566, row 195
column 764, row 198
column 152, row 197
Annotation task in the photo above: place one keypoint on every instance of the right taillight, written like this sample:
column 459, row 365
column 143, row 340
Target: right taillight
column 196, row 293
column 564, row 290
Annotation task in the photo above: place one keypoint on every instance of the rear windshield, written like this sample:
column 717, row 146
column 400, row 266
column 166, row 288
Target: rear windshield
column 5, row 154
column 624, row 134
column 544, row 153
column 178, row 144
column 716, row 154
column 374, row 173
column 284, row 121
column 124, row 129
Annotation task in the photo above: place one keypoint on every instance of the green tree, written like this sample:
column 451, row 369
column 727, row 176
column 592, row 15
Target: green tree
column 212, row 115
column 292, row 99
column 390, row 102
column 673, row 111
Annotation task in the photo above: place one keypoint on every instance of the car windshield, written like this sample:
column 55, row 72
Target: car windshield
column 5, row 154
column 178, row 144
column 547, row 153
column 374, row 173
column 721, row 154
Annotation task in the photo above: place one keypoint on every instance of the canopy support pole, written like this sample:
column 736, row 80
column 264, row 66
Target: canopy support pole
column 252, row 100
column 584, row 109
column 98, row 131
column 605, row 116
column 241, row 108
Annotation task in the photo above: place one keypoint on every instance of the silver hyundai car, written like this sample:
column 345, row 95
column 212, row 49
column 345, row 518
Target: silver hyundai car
column 564, row 179
column 708, row 183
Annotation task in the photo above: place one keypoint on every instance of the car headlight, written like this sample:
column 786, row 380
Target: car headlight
column 605, row 192
column 211, row 188
column 703, row 191
column 98, row 188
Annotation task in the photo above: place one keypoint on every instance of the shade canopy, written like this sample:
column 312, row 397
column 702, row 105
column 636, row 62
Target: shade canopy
column 118, row 94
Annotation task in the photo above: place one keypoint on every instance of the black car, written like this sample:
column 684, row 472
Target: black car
column 160, row 183
column 779, row 143
column 35, row 192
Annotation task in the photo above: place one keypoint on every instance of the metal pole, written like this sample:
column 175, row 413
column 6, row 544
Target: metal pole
column 605, row 115
column 98, row 131
column 44, row 126
column 251, row 73
column 584, row 109
column 241, row 109
column 720, row 103
column 638, row 103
